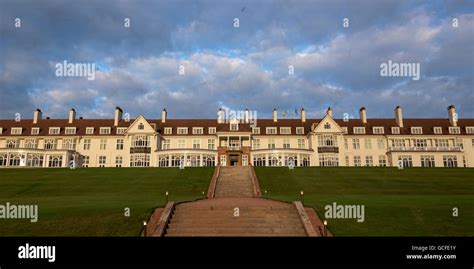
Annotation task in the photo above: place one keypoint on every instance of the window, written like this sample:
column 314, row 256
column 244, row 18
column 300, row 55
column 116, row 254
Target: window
column 285, row 130
column 355, row 143
column 438, row 130
column 182, row 130
column 301, row 143
column 405, row 161
column 454, row 130
column 103, row 144
column 212, row 130
column 369, row 161
column 181, row 143
column 69, row 144
column 469, row 130
column 271, row 130
column 87, row 144
column 346, row 144
column 211, row 144
column 256, row 144
column 165, row 144
column 70, row 130
column 380, row 143
column 121, row 130
column 359, row 130
column 420, row 143
column 344, row 130
column 442, row 143
column 382, row 160
column 196, row 143
column 357, row 161
column 271, row 143
column 30, row 143
column 450, row 161
column 54, row 130
column 395, row 130
column 104, row 130
column 347, row 160
column 168, row 130
column 50, row 143
column 367, row 143
column 141, row 126
column 327, row 125
column 90, row 130
column 234, row 126
column 416, row 130
column 197, row 130
column 118, row 161
column 472, row 143
column 102, row 161
column 12, row 143
column 377, row 130
column 85, row 161
column 119, row 144
column 299, row 130
column 427, row 161
column 256, row 130
column 34, row 131
column 142, row 141
column 140, row 160
column 327, row 140
column 16, row 131
column 286, row 143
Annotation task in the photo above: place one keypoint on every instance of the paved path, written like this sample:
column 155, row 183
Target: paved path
column 234, row 182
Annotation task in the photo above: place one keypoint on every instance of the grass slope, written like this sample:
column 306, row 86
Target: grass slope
column 91, row 202
column 409, row 202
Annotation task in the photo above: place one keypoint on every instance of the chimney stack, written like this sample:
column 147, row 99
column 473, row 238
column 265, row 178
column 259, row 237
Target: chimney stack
column 329, row 112
column 117, row 116
column 363, row 114
column 303, row 115
column 163, row 115
column 246, row 115
column 452, row 115
column 220, row 116
column 399, row 116
column 37, row 116
column 72, row 115
column 275, row 115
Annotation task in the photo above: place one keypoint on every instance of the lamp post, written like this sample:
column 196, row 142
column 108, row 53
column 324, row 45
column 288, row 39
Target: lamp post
column 144, row 228
column 302, row 197
column 325, row 228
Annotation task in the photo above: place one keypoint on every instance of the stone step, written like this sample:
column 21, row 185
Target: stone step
column 236, row 220
column 240, row 231
column 207, row 214
column 250, row 225
column 233, row 235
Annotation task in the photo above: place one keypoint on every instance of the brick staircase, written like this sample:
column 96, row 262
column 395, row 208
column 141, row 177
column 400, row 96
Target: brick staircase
column 234, row 181
column 215, row 217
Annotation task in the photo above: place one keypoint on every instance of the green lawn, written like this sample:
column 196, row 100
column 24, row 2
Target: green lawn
column 409, row 202
column 91, row 202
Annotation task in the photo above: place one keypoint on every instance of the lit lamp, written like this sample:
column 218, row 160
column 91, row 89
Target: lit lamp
column 325, row 227
column 265, row 192
column 302, row 197
column 166, row 198
column 144, row 228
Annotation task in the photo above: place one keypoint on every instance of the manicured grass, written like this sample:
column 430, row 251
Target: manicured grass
column 91, row 201
column 409, row 202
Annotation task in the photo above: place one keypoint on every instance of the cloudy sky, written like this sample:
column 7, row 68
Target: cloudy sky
column 236, row 67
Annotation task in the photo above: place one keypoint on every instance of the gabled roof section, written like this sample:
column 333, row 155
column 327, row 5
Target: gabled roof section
column 141, row 126
column 327, row 121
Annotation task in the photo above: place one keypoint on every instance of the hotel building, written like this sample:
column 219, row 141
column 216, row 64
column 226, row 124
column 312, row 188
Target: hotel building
column 141, row 142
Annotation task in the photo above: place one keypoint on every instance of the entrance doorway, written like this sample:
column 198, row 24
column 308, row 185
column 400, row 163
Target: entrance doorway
column 234, row 159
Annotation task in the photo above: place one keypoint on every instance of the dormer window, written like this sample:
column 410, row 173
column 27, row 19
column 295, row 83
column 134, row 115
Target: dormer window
column 470, row 130
column 70, row 130
column 454, row 130
column 271, row 130
column 182, row 130
column 285, row 130
column 141, row 126
column 256, row 130
column 104, row 130
column 90, row 130
column 377, row 130
column 168, row 130
column 299, row 130
column 54, row 130
column 438, row 130
column 395, row 130
column 416, row 130
column 121, row 130
column 35, row 130
column 1, row 130
column 16, row 131
column 234, row 126
column 212, row 130
column 359, row 130
column 198, row 130
column 327, row 125
column 344, row 129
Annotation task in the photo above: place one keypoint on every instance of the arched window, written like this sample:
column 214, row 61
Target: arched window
column 305, row 161
column 210, row 162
